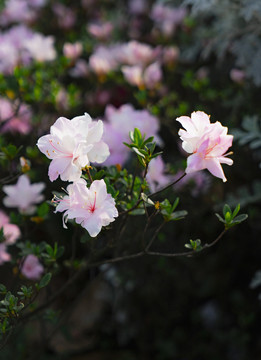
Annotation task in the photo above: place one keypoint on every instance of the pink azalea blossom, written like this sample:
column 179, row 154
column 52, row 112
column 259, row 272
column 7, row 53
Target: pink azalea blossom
column 148, row 78
column 92, row 208
column 208, row 144
column 171, row 55
column 32, row 268
column 103, row 60
column 72, row 51
column 72, row 145
column 23, row 195
column 167, row 18
column 137, row 7
column 4, row 256
column 156, row 176
column 16, row 119
column 118, row 125
column 80, row 69
column 152, row 75
column 65, row 16
column 133, row 75
column 238, row 76
column 11, row 231
column 136, row 53
column 41, row 48
column 100, row 31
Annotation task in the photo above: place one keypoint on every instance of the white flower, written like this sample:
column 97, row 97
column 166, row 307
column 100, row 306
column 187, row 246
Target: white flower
column 91, row 208
column 72, row 145
column 23, row 195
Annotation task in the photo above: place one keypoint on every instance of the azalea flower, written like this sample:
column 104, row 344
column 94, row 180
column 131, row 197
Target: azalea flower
column 92, row 208
column 118, row 125
column 23, row 195
column 11, row 231
column 32, row 268
column 41, row 48
column 208, row 144
column 4, row 256
column 156, row 176
column 72, row 145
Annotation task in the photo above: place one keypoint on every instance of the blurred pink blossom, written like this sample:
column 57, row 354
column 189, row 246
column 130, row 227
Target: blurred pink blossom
column 23, row 195
column 92, row 208
column 156, row 176
column 101, row 31
column 148, row 78
column 4, row 256
column 118, row 125
column 80, row 69
column 133, row 75
column 62, row 100
column 65, row 16
column 11, row 231
column 198, row 182
column 152, row 75
column 167, row 18
column 41, row 48
column 16, row 118
column 171, row 55
column 72, row 145
column 72, row 51
column 208, row 144
column 136, row 53
column 31, row 268
column 103, row 60
column 137, row 7
column 237, row 75
column 12, row 51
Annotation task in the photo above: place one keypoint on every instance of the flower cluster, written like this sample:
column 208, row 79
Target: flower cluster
column 208, row 144
column 73, row 145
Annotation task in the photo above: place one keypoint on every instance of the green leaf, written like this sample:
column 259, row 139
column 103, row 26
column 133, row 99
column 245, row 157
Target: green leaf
column 137, row 212
column 238, row 219
column 177, row 215
column 137, row 151
column 226, row 209
column 220, row 218
column 45, row 280
column 43, row 210
column 235, row 212
column 146, row 199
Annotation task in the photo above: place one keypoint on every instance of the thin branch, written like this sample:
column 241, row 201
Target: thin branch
column 116, row 260
column 168, row 186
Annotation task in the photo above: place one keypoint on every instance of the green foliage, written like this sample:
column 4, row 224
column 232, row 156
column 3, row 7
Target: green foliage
column 167, row 210
column 194, row 245
column 144, row 148
column 230, row 218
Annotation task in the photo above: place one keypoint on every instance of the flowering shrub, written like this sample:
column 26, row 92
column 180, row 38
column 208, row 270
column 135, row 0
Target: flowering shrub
column 92, row 205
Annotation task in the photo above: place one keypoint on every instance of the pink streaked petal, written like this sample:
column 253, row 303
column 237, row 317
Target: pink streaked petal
column 213, row 166
column 57, row 167
column 225, row 160
column 194, row 163
column 100, row 188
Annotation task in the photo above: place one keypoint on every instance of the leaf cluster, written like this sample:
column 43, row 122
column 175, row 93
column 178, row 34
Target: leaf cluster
column 230, row 217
